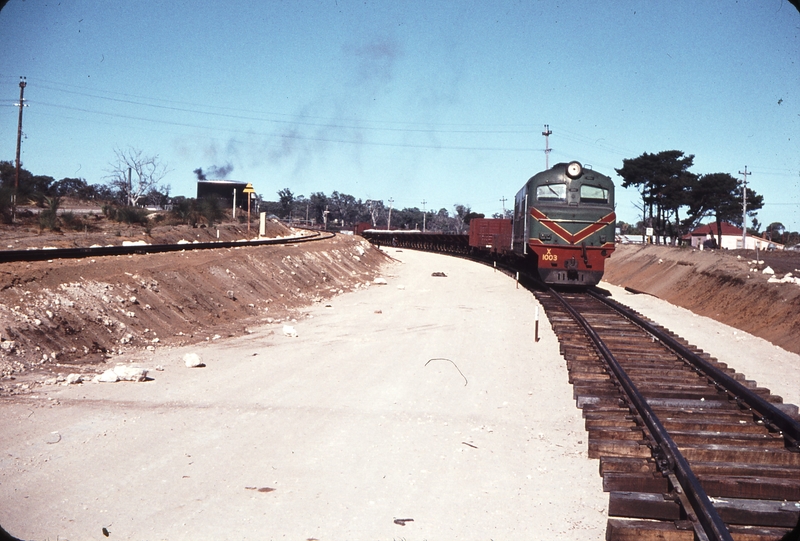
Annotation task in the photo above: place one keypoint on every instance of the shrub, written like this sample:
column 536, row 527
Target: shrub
column 132, row 215
column 128, row 215
column 48, row 218
column 72, row 221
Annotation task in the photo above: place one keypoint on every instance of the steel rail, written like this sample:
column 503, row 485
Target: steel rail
column 8, row 256
column 785, row 424
column 708, row 524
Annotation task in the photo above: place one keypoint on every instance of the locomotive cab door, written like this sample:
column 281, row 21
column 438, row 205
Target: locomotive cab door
column 519, row 236
column 525, row 226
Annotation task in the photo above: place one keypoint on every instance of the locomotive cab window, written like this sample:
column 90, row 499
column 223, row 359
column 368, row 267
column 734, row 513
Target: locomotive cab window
column 593, row 194
column 551, row 192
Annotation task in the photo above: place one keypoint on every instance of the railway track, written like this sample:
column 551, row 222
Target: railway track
column 7, row 256
column 688, row 448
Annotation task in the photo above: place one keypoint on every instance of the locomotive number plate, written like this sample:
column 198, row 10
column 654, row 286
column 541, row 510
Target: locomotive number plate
column 549, row 257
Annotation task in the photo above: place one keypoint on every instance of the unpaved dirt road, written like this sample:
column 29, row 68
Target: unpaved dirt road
column 410, row 411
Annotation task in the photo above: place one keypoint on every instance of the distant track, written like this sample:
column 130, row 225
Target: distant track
column 7, row 256
column 688, row 449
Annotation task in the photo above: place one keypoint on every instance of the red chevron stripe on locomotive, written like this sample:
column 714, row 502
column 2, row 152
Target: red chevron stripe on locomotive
column 571, row 238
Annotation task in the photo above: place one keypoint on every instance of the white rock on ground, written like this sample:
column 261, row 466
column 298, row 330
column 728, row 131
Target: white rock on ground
column 288, row 330
column 130, row 373
column 109, row 376
column 192, row 360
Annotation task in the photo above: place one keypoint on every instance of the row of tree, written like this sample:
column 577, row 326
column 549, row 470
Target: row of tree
column 134, row 179
column 133, row 182
column 346, row 211
column 675, row 200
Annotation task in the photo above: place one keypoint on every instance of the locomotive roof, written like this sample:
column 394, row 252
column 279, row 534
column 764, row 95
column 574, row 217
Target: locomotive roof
column 558, row 173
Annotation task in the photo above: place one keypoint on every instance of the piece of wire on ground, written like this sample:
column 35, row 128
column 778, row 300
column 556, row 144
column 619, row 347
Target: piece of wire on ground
column 454, row 364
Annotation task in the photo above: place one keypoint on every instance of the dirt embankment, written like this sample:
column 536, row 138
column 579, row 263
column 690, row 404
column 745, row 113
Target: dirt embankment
column 67, row 316
column 728, row 287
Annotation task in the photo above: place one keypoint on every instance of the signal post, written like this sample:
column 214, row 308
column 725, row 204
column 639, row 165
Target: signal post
column 249, row 191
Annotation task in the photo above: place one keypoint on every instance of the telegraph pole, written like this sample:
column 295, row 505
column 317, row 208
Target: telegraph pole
column 424, row 215
column 503, row 201
column 547, row 133
column 22, row 84
column 389, row 224
column 744, row 208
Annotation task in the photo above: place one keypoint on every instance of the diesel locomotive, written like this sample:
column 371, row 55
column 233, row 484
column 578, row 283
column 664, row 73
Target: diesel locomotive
column 564, row 220
column 563, row 227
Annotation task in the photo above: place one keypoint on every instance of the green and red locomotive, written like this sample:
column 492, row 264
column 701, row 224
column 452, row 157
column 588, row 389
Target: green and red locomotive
column 563, row 227
column 564, row 220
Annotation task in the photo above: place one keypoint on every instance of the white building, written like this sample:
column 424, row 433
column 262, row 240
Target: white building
column 731, row 238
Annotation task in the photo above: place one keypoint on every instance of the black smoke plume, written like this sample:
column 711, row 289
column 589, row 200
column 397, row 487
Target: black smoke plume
column 215, row 172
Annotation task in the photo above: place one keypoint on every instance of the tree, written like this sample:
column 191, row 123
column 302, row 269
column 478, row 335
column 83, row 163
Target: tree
column 712, row 195
column 69, row 187
column 31, row 187
column 473, row 215
column 407, row 218
column 158, row 196
column 344, row 207
column 286, row 199
column 8, row 172
column 317, row 204
column 720, row 195
column 441, row 221
column 145, row 173
column 462, row 217
column 662, row 180
column 375, row 210
column 36, row 190
column 775, row 232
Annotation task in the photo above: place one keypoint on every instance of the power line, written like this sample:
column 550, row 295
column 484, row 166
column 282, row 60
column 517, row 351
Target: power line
column 292, row 119
column 295, row 135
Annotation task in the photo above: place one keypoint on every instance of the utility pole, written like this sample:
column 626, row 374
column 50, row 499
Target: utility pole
column 389, row 224
column 503, row 201
column 22, row 84
column 547, row 133
column 744, row 208
column 424, row 215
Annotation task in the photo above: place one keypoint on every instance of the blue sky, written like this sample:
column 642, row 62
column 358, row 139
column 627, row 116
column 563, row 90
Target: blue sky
column 442, row 102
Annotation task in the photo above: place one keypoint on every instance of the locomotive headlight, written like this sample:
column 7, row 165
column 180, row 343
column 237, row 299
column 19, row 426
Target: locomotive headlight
column 574, row 169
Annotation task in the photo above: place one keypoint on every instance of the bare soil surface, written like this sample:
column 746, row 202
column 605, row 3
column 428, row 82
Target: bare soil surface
column 729, row 287
column 78, row 316
column 410, row 410
column 411, row 400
